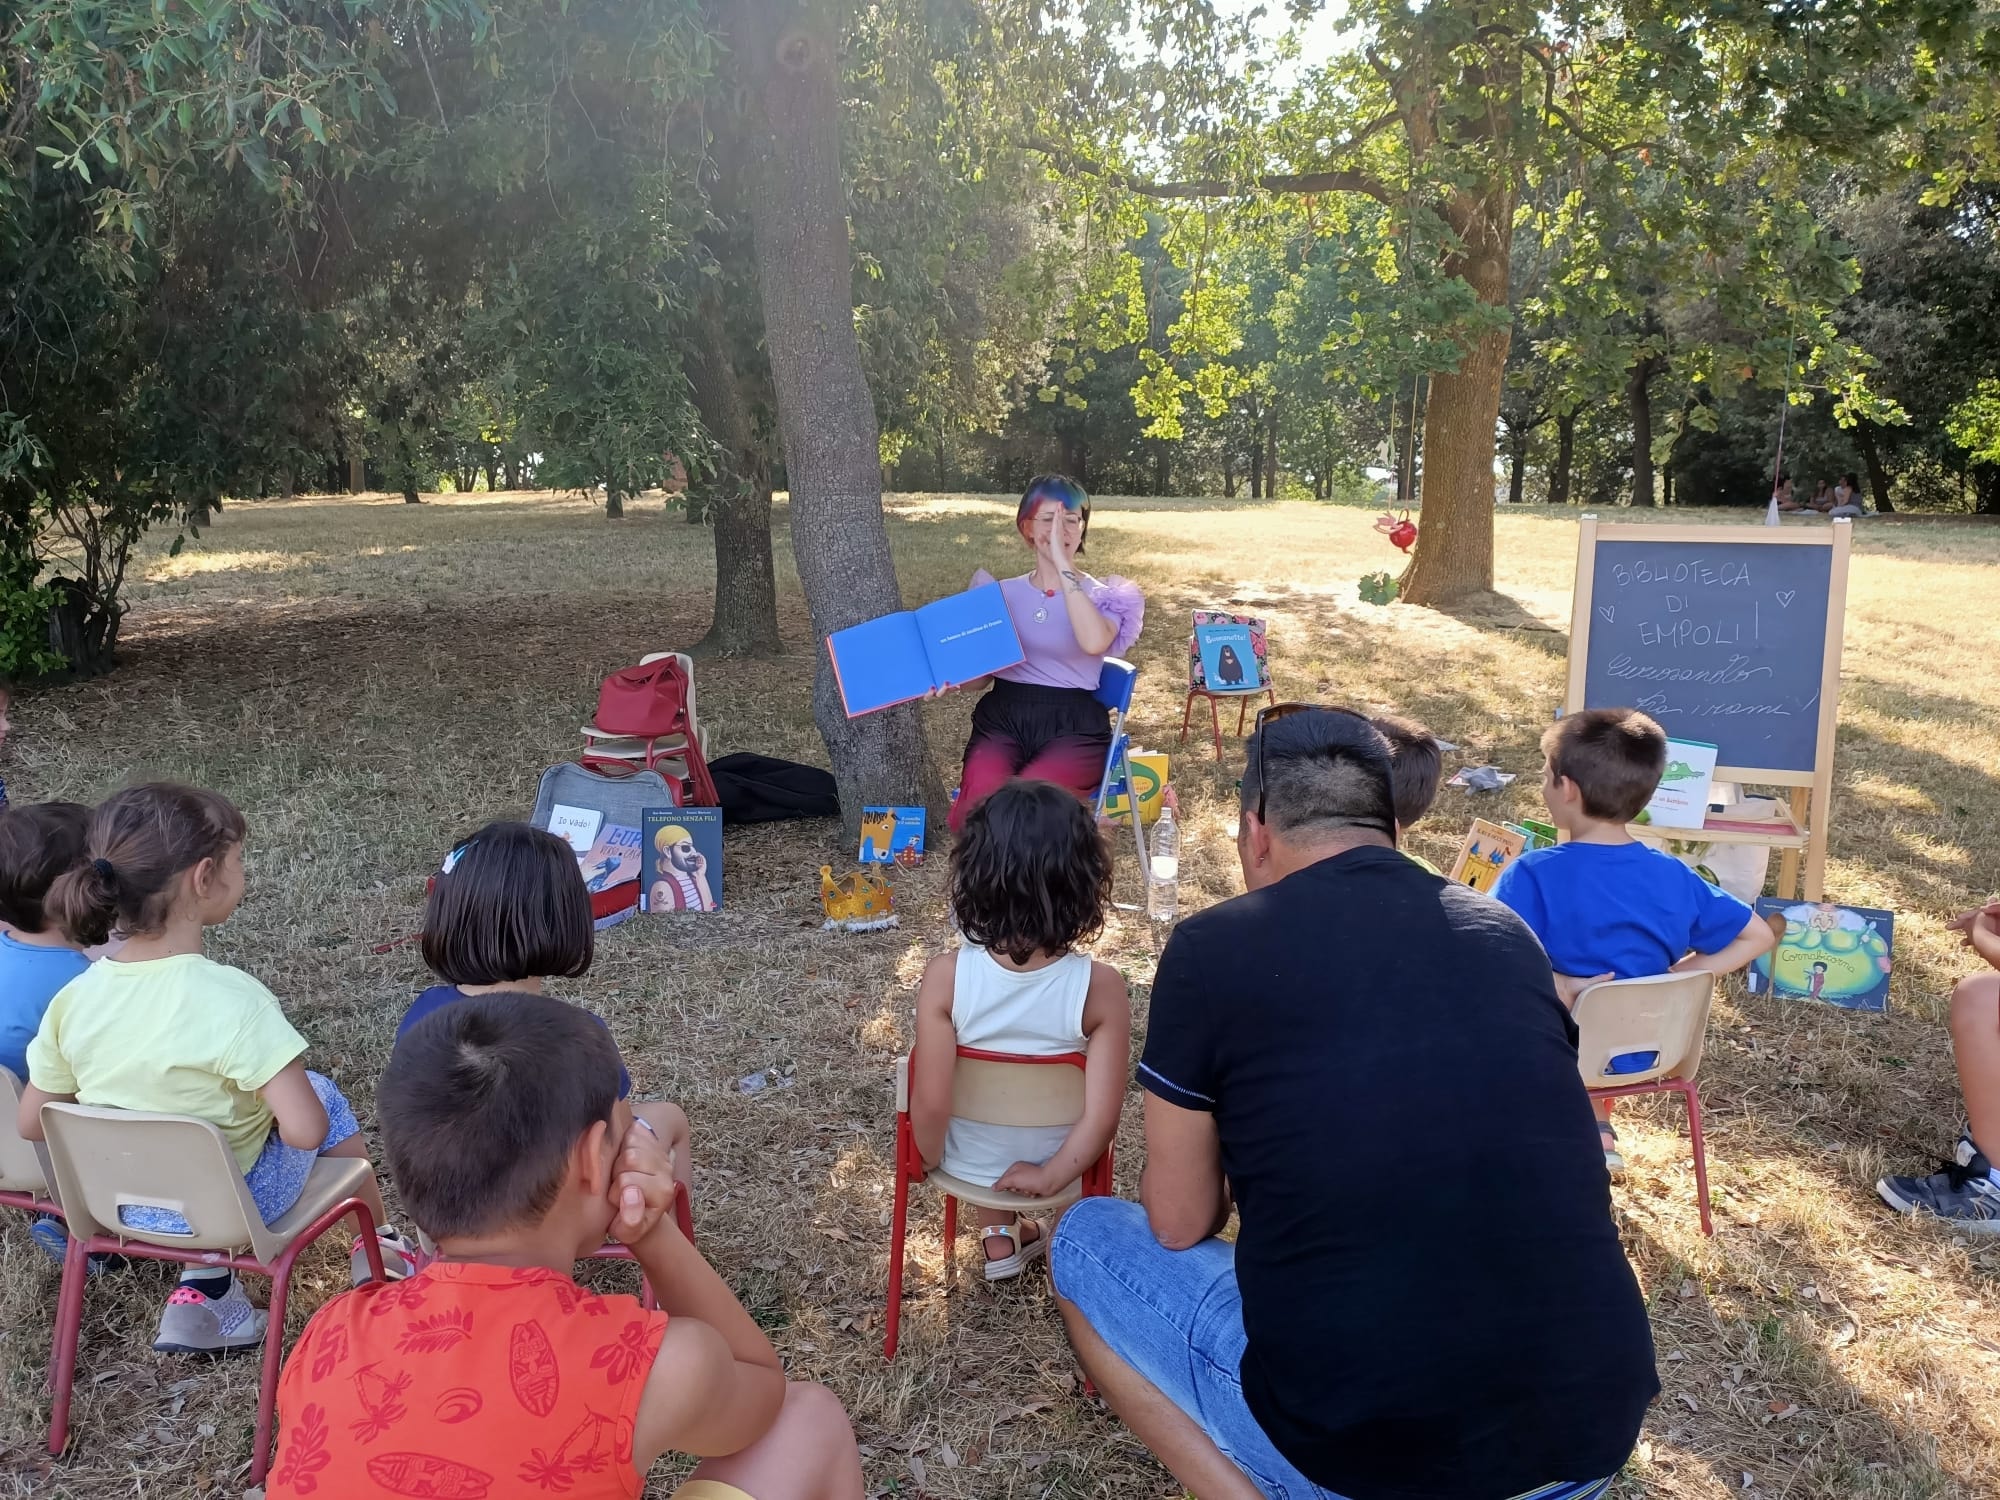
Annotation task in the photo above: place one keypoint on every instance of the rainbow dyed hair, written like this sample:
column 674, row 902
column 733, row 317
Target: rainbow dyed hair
column 1064, row 491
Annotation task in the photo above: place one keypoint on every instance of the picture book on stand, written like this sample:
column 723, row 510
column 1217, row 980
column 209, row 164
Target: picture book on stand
column 1826, row 951
column 681, row 857
column 892, row 835
column 1227, row 653
column 1682, row 798
column 900, row 657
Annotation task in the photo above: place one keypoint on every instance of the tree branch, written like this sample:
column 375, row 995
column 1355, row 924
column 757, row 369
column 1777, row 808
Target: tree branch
column 1342, row 180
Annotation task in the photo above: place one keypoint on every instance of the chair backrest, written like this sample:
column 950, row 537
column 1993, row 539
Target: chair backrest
column 1003, row 1088
column 108, row 1159
column 1114, row 684
column 1639, row 1030
column 24, row 1164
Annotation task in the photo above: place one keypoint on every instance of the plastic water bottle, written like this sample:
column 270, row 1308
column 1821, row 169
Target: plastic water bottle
column 1163, row 873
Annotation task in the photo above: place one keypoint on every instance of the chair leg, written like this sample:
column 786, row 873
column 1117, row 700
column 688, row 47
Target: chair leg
column 1242, row 709
column 274, row 1356
column 951, row 1240
column 899, row 1226
column 69, row 1330
column 1215, row 728
column 1693, row 1096
column 1187, row 711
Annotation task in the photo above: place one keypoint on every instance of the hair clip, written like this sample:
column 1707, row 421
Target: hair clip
column 451, row 860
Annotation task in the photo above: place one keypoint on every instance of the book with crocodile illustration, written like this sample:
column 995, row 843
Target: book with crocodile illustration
column 1682, row 798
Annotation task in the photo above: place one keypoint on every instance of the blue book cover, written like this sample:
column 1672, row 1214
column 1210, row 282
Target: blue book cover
column 948, row 642
column 1229, row 658
column 681, row 860
column 892, row 835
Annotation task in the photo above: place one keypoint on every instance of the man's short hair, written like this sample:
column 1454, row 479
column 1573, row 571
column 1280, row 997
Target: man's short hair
column 1416, row 761
column 1615, row 756
column 38, row 842
column 1327, row 771
column 482, row 1103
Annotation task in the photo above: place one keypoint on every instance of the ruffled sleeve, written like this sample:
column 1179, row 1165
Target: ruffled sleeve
column 1119, row 599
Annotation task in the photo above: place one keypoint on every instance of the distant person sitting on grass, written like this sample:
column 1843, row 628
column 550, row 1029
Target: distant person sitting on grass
column 491, row 1372
column 160, row 1027
column 1030, row 883
column 1416, row 761
column 1605, row 905
column 1307, row 1042
column 1967, row 1190
column 508, row 912
column 1846, row 499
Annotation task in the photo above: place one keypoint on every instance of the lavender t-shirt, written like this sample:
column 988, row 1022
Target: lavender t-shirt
column 1054, row 659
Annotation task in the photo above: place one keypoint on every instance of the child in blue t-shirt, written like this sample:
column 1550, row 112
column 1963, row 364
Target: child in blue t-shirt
column 1605, row 905
column 37, row 844
column 508, row 912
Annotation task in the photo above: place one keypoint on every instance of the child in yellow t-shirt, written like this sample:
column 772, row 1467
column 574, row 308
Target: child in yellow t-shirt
column 161, row 1028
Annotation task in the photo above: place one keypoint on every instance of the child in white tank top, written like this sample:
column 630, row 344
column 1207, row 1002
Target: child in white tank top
column 1031, row 878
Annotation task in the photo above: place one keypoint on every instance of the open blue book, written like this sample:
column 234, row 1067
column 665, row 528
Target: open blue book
column 948, row 642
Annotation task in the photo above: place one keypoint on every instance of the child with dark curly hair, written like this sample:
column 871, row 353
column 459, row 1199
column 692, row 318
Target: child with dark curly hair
column 1030, row 880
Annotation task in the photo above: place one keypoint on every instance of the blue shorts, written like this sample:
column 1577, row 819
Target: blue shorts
column 1176, row 1317
column 277, row 1177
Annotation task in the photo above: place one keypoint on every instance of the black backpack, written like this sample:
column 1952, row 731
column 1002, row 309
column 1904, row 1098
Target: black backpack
column 756, row 788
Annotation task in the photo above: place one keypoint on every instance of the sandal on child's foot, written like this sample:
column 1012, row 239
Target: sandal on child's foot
column 1025, row 1252
column 1614, row 1161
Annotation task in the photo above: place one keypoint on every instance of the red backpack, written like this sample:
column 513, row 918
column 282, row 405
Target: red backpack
column 650, row 702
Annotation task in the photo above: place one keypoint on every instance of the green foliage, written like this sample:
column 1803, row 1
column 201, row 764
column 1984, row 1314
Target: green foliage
column 1378, row 588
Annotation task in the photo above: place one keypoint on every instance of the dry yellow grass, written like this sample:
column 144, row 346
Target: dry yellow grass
column 370, row 680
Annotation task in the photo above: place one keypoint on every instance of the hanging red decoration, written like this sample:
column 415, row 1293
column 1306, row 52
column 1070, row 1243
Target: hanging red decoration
column 1400, row 530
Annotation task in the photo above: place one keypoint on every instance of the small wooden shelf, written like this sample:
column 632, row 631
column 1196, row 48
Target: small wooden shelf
column 1782, row 832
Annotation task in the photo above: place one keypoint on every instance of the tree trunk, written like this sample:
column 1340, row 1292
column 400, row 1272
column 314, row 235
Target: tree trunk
column 410, row 495
column 1163, row 476
column 1228, row 480
column 513, row 470
column 1076, row 459
column 1639, row 400
column 1271, row 452
column 1454, row 554
column 1559, row 476
column 1256, row 471
column 736, row 498
column 1986, row 488
column 1517, row 463
column 614, row 501
column 1878, row 472
column 492, row 475
column 787, row 56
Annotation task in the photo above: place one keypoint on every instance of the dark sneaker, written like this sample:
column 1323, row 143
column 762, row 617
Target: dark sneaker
column 195, row 1323
column 53, row 1241
column 1964, row 1193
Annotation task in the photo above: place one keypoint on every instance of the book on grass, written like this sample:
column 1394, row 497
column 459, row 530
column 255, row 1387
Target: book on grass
column 948, row 642
column 1837, row 954
column 1681, row 801
column 1488, row 849
column 681, row 858
column 612, row 858
column 892, row 835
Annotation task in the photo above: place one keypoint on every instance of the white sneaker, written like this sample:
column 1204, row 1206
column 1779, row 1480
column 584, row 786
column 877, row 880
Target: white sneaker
column 195, row 1323
column 399, row 1257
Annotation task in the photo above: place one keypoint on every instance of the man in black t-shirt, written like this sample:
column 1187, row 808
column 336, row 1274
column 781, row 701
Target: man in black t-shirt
column 1352, row 1025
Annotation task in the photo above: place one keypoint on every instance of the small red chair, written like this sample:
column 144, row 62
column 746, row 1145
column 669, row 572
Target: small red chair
column 1644, row 1036
column 995, row 1088
column 24, row 1164
column 103, row 1159
column 1199, row 685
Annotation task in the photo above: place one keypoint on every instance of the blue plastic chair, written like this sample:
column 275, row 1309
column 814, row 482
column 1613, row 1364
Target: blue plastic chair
column 1115, row 681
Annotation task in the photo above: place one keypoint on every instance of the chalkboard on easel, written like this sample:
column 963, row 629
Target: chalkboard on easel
column 1721, row 641
column 1725, row 634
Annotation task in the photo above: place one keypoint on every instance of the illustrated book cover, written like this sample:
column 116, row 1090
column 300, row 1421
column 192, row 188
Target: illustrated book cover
column 682, row 860
column 950, row 641
column 1826, row 951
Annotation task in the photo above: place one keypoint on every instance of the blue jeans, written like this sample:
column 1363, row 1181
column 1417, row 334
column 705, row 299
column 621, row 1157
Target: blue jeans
column 1176, row 1317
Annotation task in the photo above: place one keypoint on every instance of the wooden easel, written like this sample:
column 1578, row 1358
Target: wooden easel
column 1808, row 806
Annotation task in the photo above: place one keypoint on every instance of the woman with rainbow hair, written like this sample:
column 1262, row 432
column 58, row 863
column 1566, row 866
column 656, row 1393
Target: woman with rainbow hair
column 1041, row 719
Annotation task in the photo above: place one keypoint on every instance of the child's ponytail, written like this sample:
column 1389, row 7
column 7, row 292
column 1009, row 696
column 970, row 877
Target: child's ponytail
column 141, row 841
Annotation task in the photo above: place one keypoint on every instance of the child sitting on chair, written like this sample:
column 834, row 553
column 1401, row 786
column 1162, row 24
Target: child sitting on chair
column 1030, row 880
column 159, row 1027
column 508, row 911
column 38, row 844
column 1416, row 760
column 1605, row 905
column 490, row 1371
column 1967, row 1191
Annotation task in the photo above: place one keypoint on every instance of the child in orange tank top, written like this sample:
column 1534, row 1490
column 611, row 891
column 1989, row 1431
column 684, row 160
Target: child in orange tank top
column 491, row 1373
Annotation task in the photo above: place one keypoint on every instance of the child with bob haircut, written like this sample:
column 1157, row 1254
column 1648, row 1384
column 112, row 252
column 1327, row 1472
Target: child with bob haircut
column 490, row 1371
column 39, row 843
column 508, row 912
column 1030, row 880
column 1416, row 761
column 1605, row 905
column 160, row 1027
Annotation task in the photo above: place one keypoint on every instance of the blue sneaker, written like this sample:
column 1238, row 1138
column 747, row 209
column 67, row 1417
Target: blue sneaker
column 53, row 1241
column 1964, row 1193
